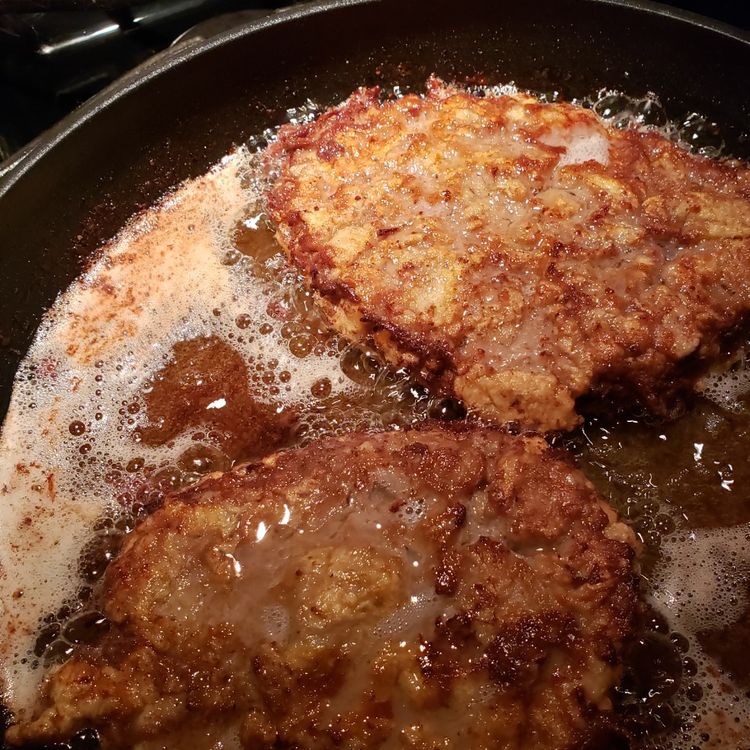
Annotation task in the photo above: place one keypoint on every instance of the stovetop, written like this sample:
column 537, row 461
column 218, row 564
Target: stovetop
column 52, row 60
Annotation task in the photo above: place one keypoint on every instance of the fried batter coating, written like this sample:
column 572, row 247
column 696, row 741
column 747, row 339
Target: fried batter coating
column 513, row 253
column 449, row 587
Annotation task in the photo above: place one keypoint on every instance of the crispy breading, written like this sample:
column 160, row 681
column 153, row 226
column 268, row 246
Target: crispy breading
column 516, row 254
column 439, row 587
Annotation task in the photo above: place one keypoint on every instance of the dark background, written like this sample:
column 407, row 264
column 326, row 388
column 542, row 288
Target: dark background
column 55, row 54
column 736, row 12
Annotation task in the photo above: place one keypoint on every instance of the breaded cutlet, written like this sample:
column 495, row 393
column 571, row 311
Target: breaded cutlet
column 448, row 586
column 518, row 255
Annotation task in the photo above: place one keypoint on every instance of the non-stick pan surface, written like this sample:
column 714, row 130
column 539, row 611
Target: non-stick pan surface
column 174, row 118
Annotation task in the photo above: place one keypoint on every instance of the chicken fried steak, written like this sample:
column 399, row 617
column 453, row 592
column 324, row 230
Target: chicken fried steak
column 514, row 253
column 441, row 587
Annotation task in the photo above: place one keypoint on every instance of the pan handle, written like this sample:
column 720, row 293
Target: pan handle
column 17, row 158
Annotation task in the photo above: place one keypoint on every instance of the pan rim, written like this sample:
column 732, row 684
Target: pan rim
column 17, row 165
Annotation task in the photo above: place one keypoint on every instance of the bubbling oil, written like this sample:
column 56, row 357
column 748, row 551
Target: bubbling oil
column 684, row 486
column 203, row 265
column 78, row 447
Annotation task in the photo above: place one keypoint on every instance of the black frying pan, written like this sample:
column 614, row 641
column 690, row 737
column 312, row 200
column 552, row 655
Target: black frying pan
column 170, row 120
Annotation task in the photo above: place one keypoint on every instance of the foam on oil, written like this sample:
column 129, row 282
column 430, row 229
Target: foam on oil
column 683, row 487
column 163, row 280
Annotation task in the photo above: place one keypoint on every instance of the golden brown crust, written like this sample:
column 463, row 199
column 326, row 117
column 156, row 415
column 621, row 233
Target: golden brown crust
column 402, row 590
column 477, row 241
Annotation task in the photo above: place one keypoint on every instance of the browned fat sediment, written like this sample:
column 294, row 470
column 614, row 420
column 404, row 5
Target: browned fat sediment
column 514, row 253
column 413, row 589
column 207, row 387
